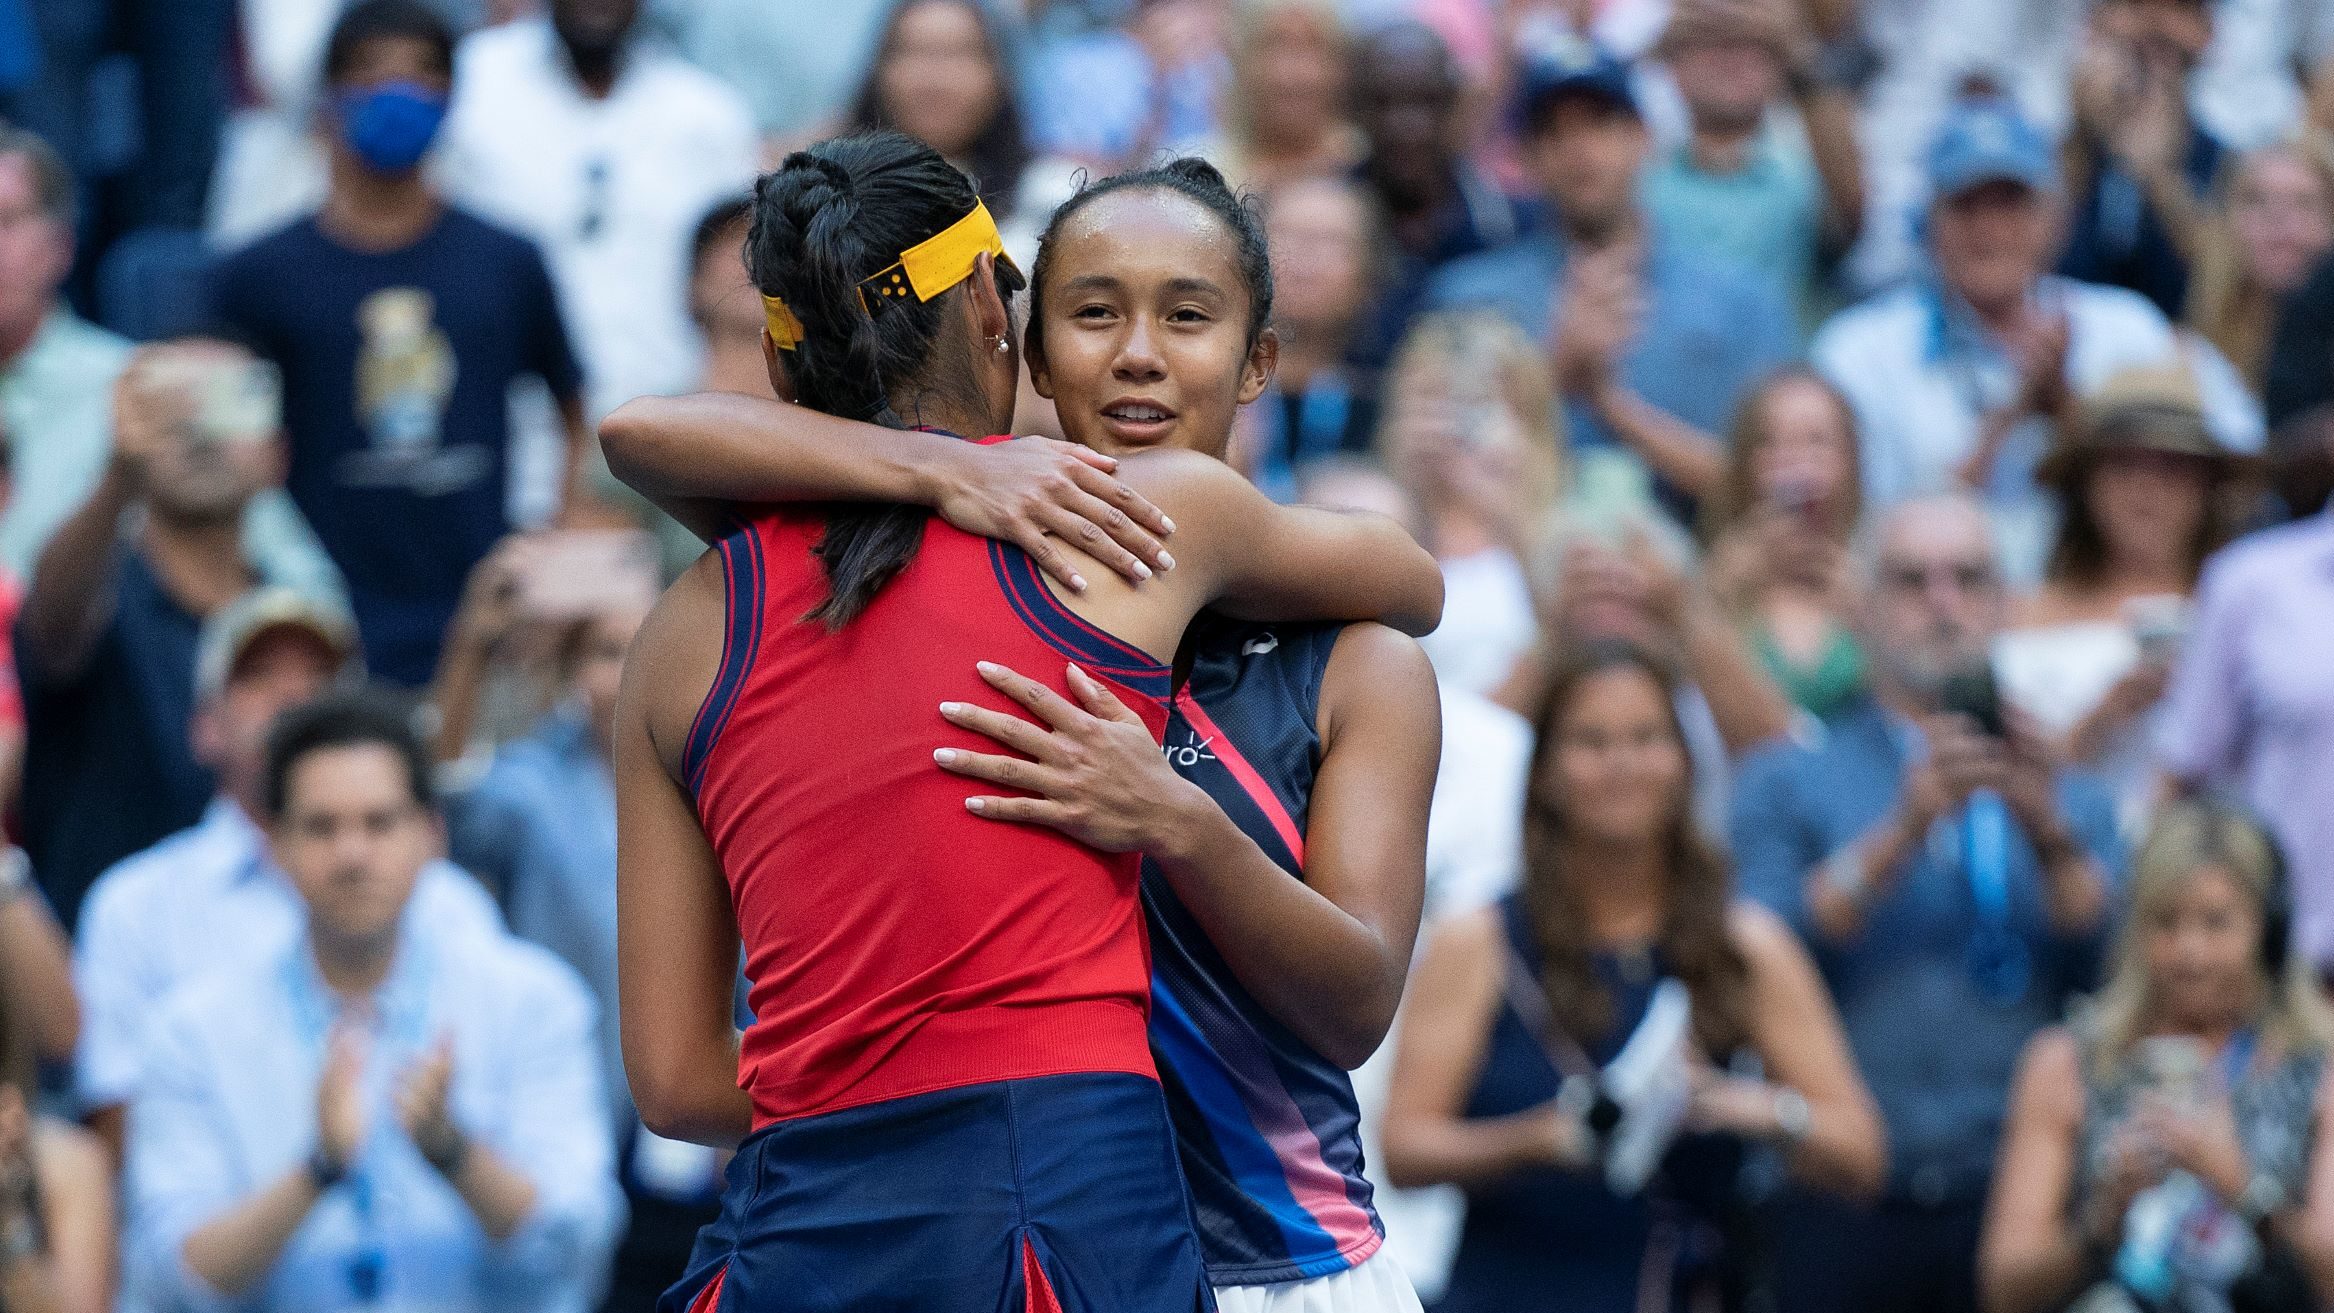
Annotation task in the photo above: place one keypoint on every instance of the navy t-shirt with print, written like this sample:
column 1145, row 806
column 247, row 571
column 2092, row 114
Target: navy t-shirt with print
column 397, row 371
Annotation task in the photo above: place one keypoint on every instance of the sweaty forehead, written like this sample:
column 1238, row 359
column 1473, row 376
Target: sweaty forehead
column 1145, row 233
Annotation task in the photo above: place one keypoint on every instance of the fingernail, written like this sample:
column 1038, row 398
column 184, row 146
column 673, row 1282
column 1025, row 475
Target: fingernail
column 1169, row 523
column 944, row 755
column 976, row 804
column 1142, row 571
column 989, row 667
column 1078, row 583
column 1167, row 562
column 951, row 708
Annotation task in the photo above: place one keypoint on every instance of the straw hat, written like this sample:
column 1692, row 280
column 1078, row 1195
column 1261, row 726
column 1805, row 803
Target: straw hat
column 2149, row 408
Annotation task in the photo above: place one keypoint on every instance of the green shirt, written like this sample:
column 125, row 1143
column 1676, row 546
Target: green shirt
column 1766, row 216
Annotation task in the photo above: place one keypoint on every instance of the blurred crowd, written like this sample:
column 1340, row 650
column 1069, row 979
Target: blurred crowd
column 1878, row 452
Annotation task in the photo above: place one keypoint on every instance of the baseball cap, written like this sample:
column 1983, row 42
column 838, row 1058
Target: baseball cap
column 1570, row 66
column 229, row 636
column 1986, row 139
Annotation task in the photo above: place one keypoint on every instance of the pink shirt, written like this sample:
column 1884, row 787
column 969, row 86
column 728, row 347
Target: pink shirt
column 2251, row 707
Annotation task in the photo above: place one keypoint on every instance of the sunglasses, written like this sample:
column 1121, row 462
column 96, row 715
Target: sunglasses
column 1966, row 576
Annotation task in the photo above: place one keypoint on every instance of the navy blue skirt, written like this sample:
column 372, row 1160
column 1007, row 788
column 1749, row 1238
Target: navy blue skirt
column 1026, row 1196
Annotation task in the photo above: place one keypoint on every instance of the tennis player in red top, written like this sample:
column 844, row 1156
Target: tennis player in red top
column 945, row 1097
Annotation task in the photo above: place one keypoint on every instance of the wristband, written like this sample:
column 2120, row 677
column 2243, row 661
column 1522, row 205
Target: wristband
column 449, row 1157
column 1793, row 1117
column 1843, row 873
column 324, row 1170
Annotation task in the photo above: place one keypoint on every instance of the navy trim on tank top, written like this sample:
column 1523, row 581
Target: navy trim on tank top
column 742, row 584
column 1068, row 633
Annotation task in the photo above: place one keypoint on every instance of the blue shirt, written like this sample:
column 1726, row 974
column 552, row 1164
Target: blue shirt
column 206, row 898
column 1710, row 331
column 1936, row 1050
column 398, row 368
column 108, row 764
column 540, row 827
column 230, row 1107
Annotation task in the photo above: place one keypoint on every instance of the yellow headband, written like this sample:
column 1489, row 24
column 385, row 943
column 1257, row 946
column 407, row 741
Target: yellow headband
column 940, row 262
column 785, row 329
column 927, row 269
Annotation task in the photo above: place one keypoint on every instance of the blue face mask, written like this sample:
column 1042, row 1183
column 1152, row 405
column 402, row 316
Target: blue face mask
column 391, row 126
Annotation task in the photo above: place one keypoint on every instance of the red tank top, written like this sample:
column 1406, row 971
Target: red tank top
column 896, row 943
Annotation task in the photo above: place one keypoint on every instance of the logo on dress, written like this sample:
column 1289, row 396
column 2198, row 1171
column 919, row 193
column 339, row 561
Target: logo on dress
column 1189, row 753
column 1259, row 646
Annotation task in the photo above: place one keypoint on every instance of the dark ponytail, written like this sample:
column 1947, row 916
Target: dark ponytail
column 1197, row 181
column 829, row 217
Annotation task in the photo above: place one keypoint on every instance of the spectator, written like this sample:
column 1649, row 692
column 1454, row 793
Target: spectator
column 399, row 323
column 2141, row 165
column 2143, row 496
column 1749, row 187
column 381, row 1112
column 57, row 377
column 58, row 1241
column 1957, row 379
column 105, row 644
column 1322, row 401
column 541, row 826
column 2274, row 224
column 944, row 74
column 724, row 304
column 211, row 896
column 1951, row 883
column 1437, row 203
column 582, row 132
column 796, row 65
column 2250, row 710
column 1286, row 118
column 2183, row 1116
column 1781, row 528
column 1653, row 345
column 1518, row 1007
column 1474, row 437
column 1627, row 578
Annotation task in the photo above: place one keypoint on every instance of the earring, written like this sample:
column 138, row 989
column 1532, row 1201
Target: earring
column 1004, row 343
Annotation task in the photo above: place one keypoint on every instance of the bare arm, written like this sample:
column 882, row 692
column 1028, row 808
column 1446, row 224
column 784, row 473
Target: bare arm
column 1326, row 954
column 2031, row 1257
column 1687, row 457
column 676, row 940
column 36, row 972
column 71, row 597
column 696, row 457
column 1830, row 115
column 1749, row 709
column 1260, row 561
column 233, row 1251
column 77, row 1193
column 1439, row 1048
column 1797, row 1033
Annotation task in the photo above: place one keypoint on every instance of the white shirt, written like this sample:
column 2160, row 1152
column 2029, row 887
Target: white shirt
column 231, row 1108
column 1921, row 380
column 1474, row 832
column 610, row 189
column 205, row 898
column 1488, row 622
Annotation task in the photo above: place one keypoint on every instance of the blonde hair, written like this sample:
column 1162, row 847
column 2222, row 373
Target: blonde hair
column 2189, row 838
column 1455, row 342
column 2224, row 307
column 1738, row 492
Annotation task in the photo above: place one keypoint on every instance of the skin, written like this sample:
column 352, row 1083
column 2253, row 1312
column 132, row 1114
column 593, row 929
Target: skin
column 593, row 33
column 1585, row 156
column 353, row 839
column 1934, row 610
column 2204, row 982
column 1406, row 103
column 1166, row 326
column 728, row 311
column 1619, row 775
column 1786, row 562
column 1319, row 232
column 36, row 251
column 1292, row 83
column 937, row 81
column 1728, row 84
column 2282, row 219
column 1991, row 243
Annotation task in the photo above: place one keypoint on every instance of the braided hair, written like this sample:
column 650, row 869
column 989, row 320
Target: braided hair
column 829, row 217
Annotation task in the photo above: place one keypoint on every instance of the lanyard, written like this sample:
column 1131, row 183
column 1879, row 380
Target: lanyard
column 1999, row 962
column 1324, row 410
